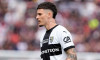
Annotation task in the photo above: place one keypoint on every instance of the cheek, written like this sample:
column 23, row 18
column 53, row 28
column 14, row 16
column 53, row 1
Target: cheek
column 43, row 18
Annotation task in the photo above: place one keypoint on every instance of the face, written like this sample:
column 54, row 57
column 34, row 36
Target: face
column 42, row 17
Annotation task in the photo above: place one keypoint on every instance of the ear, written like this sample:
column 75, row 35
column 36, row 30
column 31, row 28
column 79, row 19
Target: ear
column 50, row 14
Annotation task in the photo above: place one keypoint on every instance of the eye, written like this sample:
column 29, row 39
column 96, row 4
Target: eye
column 39, row 14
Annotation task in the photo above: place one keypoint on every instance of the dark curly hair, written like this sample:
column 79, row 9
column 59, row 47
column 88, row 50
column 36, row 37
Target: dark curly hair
column 50, row 6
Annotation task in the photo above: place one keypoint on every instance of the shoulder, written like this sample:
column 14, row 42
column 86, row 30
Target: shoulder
column 61, row 31
column 61, row 28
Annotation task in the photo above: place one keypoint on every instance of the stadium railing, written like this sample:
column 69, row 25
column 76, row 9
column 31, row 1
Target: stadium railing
column 35, row 55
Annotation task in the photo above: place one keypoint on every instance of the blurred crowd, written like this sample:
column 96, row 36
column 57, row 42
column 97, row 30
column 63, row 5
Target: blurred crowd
column 19, row 29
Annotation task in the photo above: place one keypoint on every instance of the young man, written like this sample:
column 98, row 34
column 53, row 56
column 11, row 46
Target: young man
column 57, row 42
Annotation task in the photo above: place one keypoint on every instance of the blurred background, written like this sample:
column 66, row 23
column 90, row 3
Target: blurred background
column 20, row 34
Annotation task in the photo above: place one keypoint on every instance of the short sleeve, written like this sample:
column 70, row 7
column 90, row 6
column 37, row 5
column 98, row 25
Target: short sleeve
column 65, row 40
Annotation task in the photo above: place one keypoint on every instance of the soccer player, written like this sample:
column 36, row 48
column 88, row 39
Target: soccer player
column 57, row 42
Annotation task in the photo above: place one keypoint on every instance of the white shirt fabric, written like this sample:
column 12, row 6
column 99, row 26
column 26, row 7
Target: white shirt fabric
column 59, row 40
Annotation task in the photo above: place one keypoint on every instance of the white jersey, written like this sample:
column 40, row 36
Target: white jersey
column 55, row 42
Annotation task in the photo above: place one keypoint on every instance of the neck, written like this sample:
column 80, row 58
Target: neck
column 50, row 24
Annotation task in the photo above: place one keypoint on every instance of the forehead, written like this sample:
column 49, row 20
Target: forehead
column 40, row 10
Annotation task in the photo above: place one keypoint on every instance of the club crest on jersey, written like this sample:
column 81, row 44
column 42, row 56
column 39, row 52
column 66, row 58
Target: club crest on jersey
column 67, row 39
column 51, row 39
